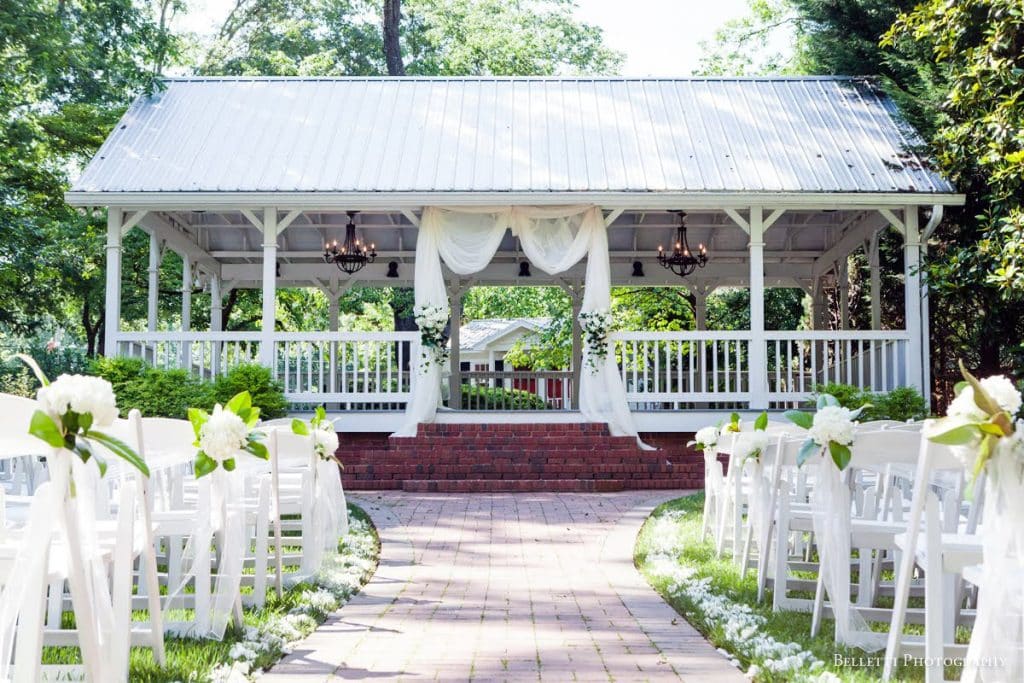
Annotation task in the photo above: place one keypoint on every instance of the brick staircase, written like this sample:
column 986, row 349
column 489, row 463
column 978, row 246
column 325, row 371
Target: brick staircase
column 517, row 457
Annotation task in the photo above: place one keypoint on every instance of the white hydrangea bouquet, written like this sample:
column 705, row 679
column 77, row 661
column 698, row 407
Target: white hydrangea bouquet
column 980, row 419
column 595, row 326
column 432, row 320
column 751, row 445
column 322, row 432
column 71, row 409
column 830, row 428
column 227, row 432
column 706, row 438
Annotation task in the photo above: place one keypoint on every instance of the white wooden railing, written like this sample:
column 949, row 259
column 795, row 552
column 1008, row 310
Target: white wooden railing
column 353, row 370
column 674, row 370
column 660, row 370
column 516, row 390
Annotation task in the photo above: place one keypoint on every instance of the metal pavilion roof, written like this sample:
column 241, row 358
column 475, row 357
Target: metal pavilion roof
column 511, row 135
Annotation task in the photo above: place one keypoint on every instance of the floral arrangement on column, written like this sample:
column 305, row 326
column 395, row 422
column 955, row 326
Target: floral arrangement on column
column 71, row 408
column 434, row 345
column 225, row 433
column 595, row 326
column 322, row 432
column 830, row 428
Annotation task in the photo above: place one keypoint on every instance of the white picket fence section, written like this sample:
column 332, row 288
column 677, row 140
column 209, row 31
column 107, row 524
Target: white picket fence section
column 353, row 370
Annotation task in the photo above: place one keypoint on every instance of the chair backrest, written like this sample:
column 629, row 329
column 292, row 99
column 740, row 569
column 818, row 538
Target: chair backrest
column 293, row 450
column 875, row 450
column 15, row 417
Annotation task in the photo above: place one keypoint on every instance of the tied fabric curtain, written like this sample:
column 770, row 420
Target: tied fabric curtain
column 554, row 240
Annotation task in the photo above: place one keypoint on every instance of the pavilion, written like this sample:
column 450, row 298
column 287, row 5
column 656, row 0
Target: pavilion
column 782, row 178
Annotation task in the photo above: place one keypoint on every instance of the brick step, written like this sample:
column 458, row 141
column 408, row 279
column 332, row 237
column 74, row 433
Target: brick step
column 517, row 457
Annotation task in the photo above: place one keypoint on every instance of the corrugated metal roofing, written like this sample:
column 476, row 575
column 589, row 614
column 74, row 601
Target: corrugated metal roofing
column 512, row 135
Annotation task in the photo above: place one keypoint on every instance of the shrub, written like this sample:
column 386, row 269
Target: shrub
column 155, row 392
column 905, row 403
column 267, row 393
column 54, row 360
column 497, row 398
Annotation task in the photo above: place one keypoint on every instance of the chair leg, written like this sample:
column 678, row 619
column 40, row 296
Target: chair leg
column 819, row 605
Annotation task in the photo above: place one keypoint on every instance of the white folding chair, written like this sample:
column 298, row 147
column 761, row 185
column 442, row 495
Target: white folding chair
column 944, row 551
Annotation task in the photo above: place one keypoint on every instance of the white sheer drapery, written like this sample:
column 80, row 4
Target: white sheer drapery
column 554, row 240
column 831, row 513
column 996, row 652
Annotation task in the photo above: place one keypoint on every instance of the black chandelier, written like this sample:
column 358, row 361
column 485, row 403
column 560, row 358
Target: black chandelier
column 682, row 261
column 353, row 254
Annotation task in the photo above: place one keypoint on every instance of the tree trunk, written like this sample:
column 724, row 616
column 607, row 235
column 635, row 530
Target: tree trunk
column 93, row 338
column 392, row 36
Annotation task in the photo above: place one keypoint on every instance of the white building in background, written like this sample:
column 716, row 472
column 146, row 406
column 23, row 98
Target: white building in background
column 484, row 345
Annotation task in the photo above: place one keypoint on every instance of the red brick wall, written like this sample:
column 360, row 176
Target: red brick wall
column 517, row 457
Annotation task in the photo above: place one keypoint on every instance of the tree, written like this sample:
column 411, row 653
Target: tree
column 69, row 69
column 392, row 41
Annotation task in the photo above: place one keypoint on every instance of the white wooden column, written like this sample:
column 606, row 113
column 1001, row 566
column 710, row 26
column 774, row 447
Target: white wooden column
column 186, row 310
column 912, row 297
column 758, row 351
column 874, row 265
column 334, row 312
column 112, row 311
column 700, row 308
column 843, row 283
column 455, row 358
column 267, row 352
column 153, row 298
column 577, row 351
column 216, row 321
column 186, row 293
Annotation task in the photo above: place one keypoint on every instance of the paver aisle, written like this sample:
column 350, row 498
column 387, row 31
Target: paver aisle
column 516, row 587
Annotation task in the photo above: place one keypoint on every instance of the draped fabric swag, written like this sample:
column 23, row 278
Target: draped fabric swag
column 554, row 240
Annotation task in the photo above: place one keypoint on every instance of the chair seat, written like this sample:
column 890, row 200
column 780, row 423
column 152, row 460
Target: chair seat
column 959, row 551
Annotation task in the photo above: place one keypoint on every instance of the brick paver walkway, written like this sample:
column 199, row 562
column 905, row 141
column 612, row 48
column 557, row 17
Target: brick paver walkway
column 506, row 587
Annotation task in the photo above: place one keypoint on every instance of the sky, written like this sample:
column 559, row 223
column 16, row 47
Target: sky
column 658, row 37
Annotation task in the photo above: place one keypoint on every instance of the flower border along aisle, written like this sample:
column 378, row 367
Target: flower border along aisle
column 980, row 426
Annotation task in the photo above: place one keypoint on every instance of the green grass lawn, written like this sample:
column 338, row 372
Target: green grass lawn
column 712, row 596
column 264, row 638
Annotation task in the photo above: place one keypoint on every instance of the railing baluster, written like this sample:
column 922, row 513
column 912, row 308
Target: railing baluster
column 714, row 366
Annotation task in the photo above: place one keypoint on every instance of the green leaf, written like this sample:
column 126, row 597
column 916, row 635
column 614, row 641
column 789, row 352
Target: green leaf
column 959, row 387
column 121, row 450
column 991, row 428
column 808, row 449
column 239, row 402
column 34, row 366
column 204, row 464
column 198, row 418
column 981, row 397
column 761, row 423
column 299, row 427
column 799, row 418
column 257, row 449
column 953, row 432
column 840, row 454
column 827, row 401
column 42, row 426
column 229, row 465
column 857, row 413
column 254, row 417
